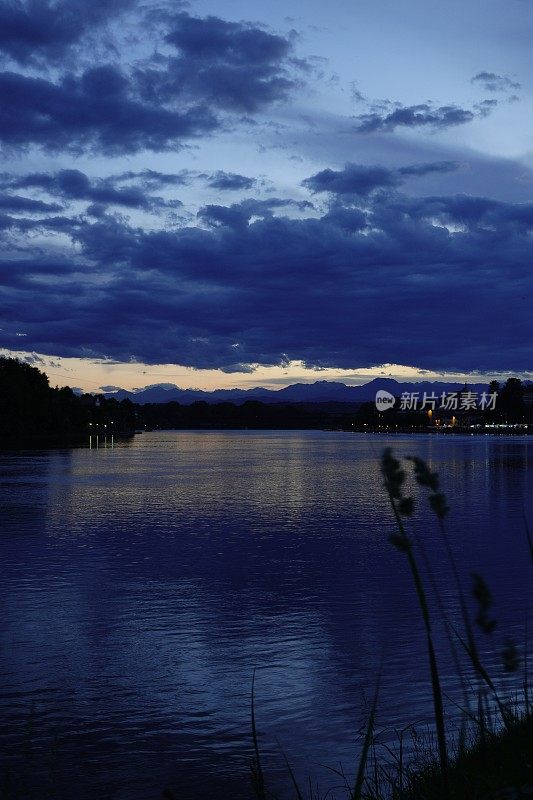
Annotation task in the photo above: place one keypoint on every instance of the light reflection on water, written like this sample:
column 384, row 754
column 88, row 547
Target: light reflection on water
column 142, row 585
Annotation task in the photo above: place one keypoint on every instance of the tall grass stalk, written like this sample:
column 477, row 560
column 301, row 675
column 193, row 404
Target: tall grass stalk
column 356, row 794
column 394, row 477
column 256, row 769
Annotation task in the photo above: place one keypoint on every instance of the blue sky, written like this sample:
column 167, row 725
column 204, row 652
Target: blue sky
column 223, row 194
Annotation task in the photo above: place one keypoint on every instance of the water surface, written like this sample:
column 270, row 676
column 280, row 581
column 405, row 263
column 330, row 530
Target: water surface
column 143, row 584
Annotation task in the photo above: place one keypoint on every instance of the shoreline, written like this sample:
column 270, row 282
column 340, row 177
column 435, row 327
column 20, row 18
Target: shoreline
column 81, row 442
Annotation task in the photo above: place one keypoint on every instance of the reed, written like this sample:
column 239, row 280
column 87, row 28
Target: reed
column 402, row 506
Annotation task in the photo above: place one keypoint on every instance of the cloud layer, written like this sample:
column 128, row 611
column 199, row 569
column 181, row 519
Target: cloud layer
column 345, row 266
column 375, row 276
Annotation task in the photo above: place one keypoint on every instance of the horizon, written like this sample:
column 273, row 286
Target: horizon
column 85, row 375
column 110, row 391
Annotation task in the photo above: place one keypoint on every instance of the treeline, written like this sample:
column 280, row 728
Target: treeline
column 510, row 408
column 251, row 414
column 34, row 414
column 511, row 405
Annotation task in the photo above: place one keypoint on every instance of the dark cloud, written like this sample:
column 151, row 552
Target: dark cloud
column 361, row 180
column 14, row 225
column 151, row 179
column 230, row 181
column 239, row 214
column 17, row 204
column 33, row 29
column 97, row 110
column 212, row 39
column 71, row 184
column 159, row 105
column 439, row 282
column 492, row 82
column 231, row 66
column 427, row 168
column 234, row 216
column 473, row 213
column 354, row 179
column 346, row 218
column 423, row 115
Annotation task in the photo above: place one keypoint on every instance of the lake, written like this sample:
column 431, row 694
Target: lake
column 142, row 585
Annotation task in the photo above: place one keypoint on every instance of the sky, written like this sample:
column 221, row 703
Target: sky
column 221, row 194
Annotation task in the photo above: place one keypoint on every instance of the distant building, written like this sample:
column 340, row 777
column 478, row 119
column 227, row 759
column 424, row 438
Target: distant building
column 528, row 402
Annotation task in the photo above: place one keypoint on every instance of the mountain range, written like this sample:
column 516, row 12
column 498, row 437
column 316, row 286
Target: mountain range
column 318, row 392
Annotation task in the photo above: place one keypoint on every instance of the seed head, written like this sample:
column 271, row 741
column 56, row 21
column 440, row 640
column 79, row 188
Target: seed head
column 393, row 474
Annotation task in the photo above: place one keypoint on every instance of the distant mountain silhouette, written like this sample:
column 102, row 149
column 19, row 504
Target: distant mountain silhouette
column 318, row 392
